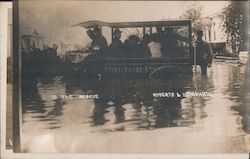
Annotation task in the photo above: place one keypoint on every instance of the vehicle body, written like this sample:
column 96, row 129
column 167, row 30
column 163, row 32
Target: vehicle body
column 179, row 61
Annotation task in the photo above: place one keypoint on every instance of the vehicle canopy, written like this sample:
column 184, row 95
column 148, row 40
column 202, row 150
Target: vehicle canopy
column 94, row 23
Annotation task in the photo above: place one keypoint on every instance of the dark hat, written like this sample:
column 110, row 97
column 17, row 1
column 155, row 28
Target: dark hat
column 89, row 31
column 134, row 38
column 159, row 28
column 117, row 31
column 200, row 33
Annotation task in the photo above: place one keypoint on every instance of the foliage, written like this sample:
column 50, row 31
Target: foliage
column 236, row 24
column 193, row 11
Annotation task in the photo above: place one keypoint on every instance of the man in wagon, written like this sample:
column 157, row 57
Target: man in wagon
column 155, row 45
column 116, row 47
column 204, row 53
column 117, row 38
column 100, row 39
column 159, row 35
column 170, row 43
column 99, row 43
column 92, row 37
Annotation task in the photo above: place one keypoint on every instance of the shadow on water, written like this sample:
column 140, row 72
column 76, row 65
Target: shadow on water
column 40, row 108
column 31, row 99
column 123, row 104
column 238, row 89
column 126, row 105
column 130, row 104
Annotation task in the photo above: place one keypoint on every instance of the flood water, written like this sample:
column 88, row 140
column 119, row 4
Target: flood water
column 138, row 115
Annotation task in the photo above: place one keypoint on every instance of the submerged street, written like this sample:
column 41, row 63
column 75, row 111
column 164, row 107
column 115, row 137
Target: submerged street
column 132, row 116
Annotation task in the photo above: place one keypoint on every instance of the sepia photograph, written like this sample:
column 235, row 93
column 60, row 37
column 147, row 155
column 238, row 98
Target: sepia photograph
column 130, row 77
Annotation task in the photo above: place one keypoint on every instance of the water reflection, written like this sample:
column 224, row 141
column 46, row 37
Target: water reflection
column 123, row 104
column 129, row 104
column 32, row 102
column 238, row 89
column 36, row 103
column 99, row 112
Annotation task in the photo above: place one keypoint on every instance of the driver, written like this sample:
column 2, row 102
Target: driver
column 99, row 43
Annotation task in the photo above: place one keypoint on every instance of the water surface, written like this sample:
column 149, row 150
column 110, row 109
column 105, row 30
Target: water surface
column 129, row 116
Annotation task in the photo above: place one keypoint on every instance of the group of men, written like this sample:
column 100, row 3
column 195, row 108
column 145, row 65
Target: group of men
column 163, row 43
column 130, row 48
column 167, row 39
column 157, row 45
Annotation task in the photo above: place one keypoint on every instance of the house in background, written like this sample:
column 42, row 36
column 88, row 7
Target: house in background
column 214, row 32
column 32, row 40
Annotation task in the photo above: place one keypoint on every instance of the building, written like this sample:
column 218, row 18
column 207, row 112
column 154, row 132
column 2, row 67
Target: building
column 214, row 32
column 32, row 40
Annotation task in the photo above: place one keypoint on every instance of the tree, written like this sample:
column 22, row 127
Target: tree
column 193, row 11
column 236, row 24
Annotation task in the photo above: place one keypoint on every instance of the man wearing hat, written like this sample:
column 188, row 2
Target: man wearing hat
column 100, row 40
column 116, row 45
column 116, row 38
column 204, row 53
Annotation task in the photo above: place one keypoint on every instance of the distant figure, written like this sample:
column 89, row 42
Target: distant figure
column 116, row 47
column 204, row 53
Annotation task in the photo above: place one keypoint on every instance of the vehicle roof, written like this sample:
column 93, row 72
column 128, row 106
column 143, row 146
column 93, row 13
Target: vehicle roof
column 91, row 24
